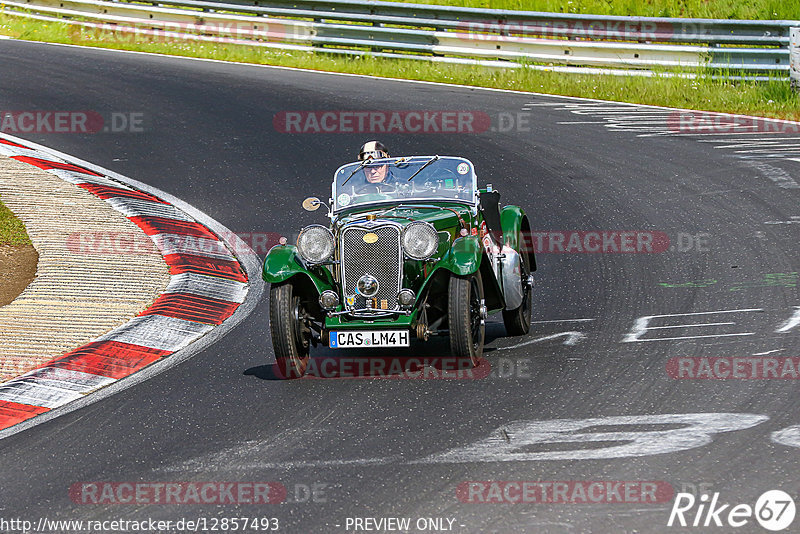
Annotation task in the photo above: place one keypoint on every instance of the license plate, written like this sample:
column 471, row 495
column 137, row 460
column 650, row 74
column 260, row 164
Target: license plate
column 369, row 338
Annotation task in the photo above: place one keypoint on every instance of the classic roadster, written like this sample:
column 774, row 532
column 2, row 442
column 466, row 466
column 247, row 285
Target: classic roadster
column 414, row 249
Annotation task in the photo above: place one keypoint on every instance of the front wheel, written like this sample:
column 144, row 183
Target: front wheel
column 466, row 314
column 291, row 331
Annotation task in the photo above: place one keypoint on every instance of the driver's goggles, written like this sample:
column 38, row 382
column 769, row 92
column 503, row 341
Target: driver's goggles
column 374, row 154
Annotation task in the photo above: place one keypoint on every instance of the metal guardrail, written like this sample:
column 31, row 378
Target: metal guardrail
column 794, row 58
column 746, row 48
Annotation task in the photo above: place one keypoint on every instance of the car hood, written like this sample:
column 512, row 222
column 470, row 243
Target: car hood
column 440, row 218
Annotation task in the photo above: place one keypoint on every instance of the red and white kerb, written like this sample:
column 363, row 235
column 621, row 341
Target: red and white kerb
column 207, row 285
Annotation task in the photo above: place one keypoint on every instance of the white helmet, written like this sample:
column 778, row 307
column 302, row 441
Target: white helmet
column 373, row 150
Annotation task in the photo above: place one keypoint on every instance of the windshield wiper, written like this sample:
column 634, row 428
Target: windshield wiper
column 357, row 169
column 434, row 158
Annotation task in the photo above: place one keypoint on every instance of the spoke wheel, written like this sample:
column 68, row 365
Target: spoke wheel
column 291, row 330
column 466, row 316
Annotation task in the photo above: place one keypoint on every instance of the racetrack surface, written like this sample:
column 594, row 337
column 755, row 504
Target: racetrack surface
column 376, row 446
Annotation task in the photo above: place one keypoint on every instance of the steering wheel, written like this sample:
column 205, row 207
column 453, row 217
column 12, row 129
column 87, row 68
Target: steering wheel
column 436, row 182
column 376, row 188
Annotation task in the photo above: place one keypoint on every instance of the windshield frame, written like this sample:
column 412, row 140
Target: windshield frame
column 404, row 200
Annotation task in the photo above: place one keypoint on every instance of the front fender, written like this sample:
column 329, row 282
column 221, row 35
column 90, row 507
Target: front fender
column 516, row 231
column 466, row 256
column 511, row 218
column 283, row 263
column 463, row 257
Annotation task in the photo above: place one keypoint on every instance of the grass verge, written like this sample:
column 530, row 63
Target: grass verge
column 768, row 99
column 12, row 231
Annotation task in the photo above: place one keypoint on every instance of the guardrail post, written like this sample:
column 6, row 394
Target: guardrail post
column 794, row 58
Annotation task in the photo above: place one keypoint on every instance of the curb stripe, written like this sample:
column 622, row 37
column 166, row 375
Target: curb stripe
column 79, row 178
column 113, row 359
column 160, row 225
column 18, row 150
column 208, row 286
column 49, row 164
column 68, row 378
column 192, row 308
column 133, row 207
column 34, row 392
column 187, row 263
column 158, row 332
column 170, row 244
column 11, row 143
column 106, row 192
column 12, row 413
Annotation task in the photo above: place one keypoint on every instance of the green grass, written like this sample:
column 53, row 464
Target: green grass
column 717, row 9
column 12, row 231
column 767, row 99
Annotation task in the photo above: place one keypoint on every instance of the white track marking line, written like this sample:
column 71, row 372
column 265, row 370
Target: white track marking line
column 791, row 322
column 696, row 337
column 640, row 326
column 687, row 325
column 774, row 139
column 562, row 321
column 573, row 338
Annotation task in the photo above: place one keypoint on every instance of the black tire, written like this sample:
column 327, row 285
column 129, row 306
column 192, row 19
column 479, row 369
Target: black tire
column 518, row 321
column 291, row 335
column 467, row 326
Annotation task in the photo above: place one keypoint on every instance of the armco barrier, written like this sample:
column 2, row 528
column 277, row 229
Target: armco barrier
column 794, row 52
column 753, row 49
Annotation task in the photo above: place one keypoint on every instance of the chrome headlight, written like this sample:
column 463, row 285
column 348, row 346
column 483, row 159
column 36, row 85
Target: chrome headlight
column 315, row 243
column 420, row 240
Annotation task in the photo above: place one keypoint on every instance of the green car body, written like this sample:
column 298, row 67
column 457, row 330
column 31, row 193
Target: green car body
column 376, row 249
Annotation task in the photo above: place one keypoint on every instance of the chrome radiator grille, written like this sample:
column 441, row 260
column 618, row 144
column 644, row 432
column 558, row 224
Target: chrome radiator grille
column 382, row 259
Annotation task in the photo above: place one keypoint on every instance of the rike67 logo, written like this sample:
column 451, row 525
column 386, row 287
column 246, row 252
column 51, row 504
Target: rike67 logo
column 774, row 510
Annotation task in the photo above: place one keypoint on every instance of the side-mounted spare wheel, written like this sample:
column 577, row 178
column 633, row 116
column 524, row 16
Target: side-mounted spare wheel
column 466, row 316
column 291, row 331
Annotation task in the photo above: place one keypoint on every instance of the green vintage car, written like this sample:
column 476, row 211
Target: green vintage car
column 414, row 249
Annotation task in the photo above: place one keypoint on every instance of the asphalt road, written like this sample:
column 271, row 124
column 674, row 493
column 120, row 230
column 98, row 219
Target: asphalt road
column 379, row 448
